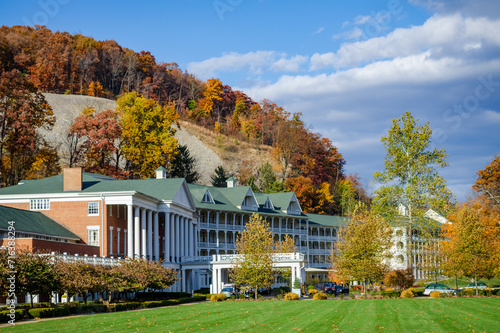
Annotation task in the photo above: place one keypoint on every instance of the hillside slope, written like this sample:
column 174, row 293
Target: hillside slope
column 208, row 149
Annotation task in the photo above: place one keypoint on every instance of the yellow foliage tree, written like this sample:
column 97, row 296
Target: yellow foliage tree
column 148, row 139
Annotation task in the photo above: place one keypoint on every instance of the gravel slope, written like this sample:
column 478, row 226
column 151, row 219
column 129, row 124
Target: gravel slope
column 67, row 107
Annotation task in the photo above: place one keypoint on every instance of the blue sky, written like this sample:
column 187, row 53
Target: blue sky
column 349, row 67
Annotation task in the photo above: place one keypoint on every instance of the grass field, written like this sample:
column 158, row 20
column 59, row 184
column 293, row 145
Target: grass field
column 396, row 315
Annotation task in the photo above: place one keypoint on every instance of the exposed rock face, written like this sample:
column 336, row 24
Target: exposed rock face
column 67, row 107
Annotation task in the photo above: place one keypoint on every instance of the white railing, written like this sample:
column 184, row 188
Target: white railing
column 93, row 260
column 276, row 257
column 197, row 259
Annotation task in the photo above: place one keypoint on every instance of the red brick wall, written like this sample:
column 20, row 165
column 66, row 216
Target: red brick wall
column 34, row 245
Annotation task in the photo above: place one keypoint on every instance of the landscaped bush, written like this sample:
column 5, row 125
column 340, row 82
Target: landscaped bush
column 202, row 291
column 123, row 306
column 218, row 297
column 407, row 293
column 319, row 296
column 291, row 297
column 18, row 314
column 436, row 294
column 469, row 292
column 312, row 292
column 391, row 293
column 242, row 296
column 417, row 292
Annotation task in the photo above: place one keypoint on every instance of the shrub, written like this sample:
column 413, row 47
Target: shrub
column 242, row 296
column 312, row 292
column 127, row 306
column 390, row 293
column 407, row 294
column 309, row 288
column 5, row 316
column 436, row 294
column 41, row 312
column 291, row 297
column 489, row 292
column 319, row 296
column 218, row 297
column 259, row 296
column 469, row 292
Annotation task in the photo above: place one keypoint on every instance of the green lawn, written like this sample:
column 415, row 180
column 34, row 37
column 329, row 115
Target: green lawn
column 401, row 315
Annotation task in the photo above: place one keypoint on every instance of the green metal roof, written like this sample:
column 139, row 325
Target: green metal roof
column 33, row 222
column 162, row 189
column 327, row 220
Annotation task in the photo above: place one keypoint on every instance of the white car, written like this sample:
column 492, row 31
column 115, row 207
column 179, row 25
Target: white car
column 438, row 287
column 480, row 285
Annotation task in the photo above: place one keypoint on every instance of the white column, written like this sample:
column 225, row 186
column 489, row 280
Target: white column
column 186, row 236
column 191, row 238
column 177, row 239
column 118, row 240
column 143, row 233
column 156, row 242
column 125, row 242
column 183, row 280
column 293, row 274
column 110, row 240
column 149, row 247
column 195, row 239
column 137, row 233
column 182, row 232
column 130, row 233
column 166, row 247
column 172, row 237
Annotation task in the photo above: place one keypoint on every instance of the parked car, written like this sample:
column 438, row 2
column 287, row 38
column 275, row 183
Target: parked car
column 329, row 287
column 341, row 289
column 480, row 285
column 229, row 291
column 438, row 287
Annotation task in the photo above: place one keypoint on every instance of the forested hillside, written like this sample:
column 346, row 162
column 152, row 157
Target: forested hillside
column 138, row 136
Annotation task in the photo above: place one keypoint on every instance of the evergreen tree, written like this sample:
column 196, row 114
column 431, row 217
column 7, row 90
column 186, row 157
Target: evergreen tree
column 183, row 165
column 219, row 177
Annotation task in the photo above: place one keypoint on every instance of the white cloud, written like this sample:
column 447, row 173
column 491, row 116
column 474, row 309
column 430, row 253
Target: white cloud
column 319, row 30
column 445, row 35
column 254, row 62
column 492, row 116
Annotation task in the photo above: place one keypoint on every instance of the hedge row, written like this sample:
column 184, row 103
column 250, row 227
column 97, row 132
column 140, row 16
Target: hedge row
column 61, row 311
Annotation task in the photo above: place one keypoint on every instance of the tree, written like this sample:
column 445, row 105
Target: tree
column 183, row 165
column 472, row 241
column 23, row 109
column 347, row 194
column 219, row 177
column 256, row 247
column 399, row 278
column 79, row 278
column 312, row 199
column 363, row 248
column 35, row 274
column 98, row 134
column 488, row 181
column 148, row 133
column 410, row 177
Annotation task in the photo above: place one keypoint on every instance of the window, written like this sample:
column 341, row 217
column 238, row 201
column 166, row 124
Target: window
column 93, row 232
column 93, row 208
column 39, row 204
column 207, row 198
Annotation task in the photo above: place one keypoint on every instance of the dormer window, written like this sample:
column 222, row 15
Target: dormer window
column 294, row 206
column 207, row 198
column 249, row 202
column 268, row 204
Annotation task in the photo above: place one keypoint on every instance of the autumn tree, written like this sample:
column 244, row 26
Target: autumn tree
column 488, row 181
column 410, row 177
column 363, row 248
column 472, row 241
column 347, row 194
column 256, row 248
column 312, row 199
column 79, row 278
column 141, row 274
column 218, row 179
column 22, row 110
column 35, row 274
column 148, row 133
column 399, row 278
column 96, row 136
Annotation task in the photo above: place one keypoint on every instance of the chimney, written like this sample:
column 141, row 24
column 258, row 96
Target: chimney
column 72, row 179
column 161, row 173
